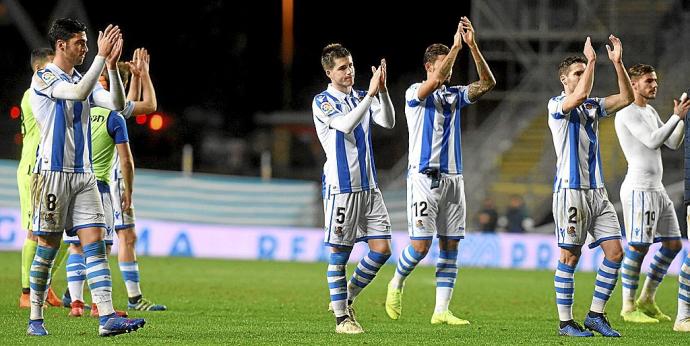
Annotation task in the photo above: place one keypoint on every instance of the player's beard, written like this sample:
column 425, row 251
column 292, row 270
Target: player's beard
column 79, row 60
column 650, row 96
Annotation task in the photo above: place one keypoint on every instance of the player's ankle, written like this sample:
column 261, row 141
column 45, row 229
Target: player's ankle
column 134, row 300
column 565, row 323
column 593, row 314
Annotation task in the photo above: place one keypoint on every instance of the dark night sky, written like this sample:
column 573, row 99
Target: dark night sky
column 225, row 56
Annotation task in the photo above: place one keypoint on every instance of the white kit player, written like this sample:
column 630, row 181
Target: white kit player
column 66, row 196
column 649, row 213
column 580, row 201
column 435, row 187
column 353, row 205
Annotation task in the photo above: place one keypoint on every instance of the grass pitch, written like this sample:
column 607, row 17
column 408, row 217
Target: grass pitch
column 243, row 302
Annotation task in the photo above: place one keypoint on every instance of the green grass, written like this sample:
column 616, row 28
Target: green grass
column 241, row 302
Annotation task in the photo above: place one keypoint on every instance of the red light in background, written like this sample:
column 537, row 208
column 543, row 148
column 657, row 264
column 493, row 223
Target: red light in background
column 15, row 112
column 18, row 138
column 156, row 122
column 140, row 119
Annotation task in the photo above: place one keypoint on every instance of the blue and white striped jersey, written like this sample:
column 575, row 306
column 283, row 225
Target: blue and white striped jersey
column 576, row 141
column 434, row 128
column 65, row 125
column 349, row 163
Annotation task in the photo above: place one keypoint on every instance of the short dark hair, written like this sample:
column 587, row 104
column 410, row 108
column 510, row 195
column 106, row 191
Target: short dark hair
column 40, row 54
column 432, row 52
column 64, row 29
column 638, row 70
column 330, row 53
column 565, row 64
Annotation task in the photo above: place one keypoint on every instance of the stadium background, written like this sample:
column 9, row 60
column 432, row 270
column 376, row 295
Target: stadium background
column 235, row 83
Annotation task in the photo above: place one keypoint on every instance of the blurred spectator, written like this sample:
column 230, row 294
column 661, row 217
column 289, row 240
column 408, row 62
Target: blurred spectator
column 517, row 218
column 487, row 218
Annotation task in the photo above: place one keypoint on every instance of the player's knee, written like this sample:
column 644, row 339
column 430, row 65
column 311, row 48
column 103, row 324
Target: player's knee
column 31, row 236
column 421, row 248
column 75, row 249
column 128, row 237
column 381, row 246
column 640, row 249
column 615, row 255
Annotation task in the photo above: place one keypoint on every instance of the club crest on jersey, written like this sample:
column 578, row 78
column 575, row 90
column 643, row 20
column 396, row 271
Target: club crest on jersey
column 48, row 77
column 420, row 224
column 571, row 231
column 327, row 108
column 49, row 218
column 588, row 106
column 339, row 231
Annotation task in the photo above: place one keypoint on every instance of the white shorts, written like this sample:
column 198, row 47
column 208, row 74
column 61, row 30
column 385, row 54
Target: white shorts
column 439, row 211
column 122, row 219
column 354, row 217
column 649, row 216
column 106, row 201
column 66, row 202
column 581, row 212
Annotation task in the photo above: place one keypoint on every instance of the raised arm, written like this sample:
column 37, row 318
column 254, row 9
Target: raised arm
column 134, row 93
column 651, row 136
column 486, row 80
column 117, row 90
column 148, row 102
column 107, row 40
column 680, row 111
column 625, row 94
column 386, row 117
column 584, row 86
column 441, row 74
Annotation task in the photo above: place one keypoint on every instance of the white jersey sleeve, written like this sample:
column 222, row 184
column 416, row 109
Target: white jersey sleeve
column 44, row 81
